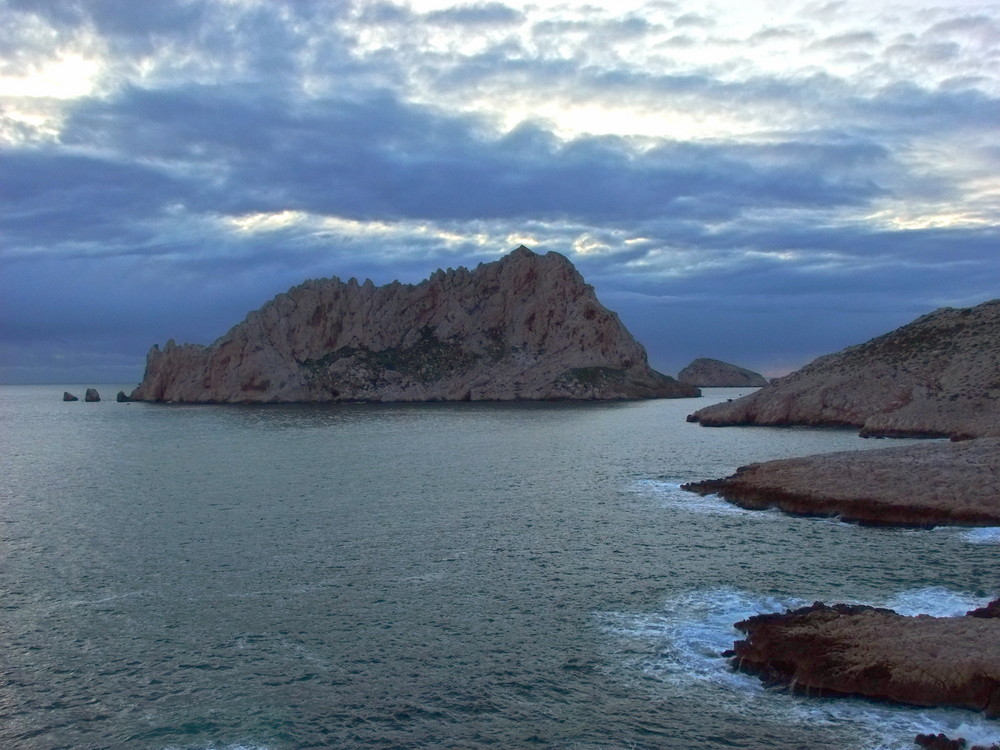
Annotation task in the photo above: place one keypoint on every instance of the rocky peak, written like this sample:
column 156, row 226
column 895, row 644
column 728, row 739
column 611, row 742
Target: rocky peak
column 524, row 327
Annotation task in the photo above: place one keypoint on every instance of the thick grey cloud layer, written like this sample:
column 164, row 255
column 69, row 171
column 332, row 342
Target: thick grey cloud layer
column 762, row 190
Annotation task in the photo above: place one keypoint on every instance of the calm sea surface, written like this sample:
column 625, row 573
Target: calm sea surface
column 408, row 576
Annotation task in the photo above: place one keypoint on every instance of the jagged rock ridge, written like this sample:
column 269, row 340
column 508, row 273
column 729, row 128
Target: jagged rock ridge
column 937, row 376
column 714, row 373
column 524, row 327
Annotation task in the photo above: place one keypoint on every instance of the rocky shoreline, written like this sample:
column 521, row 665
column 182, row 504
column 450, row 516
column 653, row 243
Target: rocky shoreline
column 922, row 485
column 860, row 651
column 938, row 376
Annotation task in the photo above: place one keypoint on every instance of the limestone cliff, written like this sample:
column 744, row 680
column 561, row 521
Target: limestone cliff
column 524, row 327
column 713, row 373
column 937, row 376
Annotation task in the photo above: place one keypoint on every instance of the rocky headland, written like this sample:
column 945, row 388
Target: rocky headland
column 526, row 327
column 854, row 650
column 923, row 485
column 714, row 373
column 938, row 376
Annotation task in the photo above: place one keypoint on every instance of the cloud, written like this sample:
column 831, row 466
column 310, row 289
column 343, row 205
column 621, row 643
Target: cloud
column 708, row 168
column 480, row 14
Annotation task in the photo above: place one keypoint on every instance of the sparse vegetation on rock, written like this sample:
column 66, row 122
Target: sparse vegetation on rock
column 524, row 327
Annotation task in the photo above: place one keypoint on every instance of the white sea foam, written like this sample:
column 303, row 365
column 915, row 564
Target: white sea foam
column 688, row 637
column 934, row 601
column 982, row 535
column 681, row 646
column 668, row 494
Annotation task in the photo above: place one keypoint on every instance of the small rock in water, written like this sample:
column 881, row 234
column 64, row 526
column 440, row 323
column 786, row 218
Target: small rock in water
column 942, row 741
column 67, row 396
column 939, row 742
column 122, row 397
column 92, row 395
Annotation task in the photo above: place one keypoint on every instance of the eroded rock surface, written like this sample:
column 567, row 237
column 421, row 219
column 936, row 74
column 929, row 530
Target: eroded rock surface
column 876, row 653
column 714, row 373
column 523, row 327
column 937, row 376
column 926, row 484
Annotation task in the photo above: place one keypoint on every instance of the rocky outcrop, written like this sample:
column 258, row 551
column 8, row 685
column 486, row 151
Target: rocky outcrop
column 122, row 397
column 92, row 395
column 927, row 484
column 713, row 373
column 938, row 376
column 524, row 327
column 943, row 742
column 876, row 653
column 67, row 396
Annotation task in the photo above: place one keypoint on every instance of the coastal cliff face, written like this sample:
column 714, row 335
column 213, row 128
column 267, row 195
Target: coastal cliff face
column 714, row 373
column 938, row 376
column 524, row 327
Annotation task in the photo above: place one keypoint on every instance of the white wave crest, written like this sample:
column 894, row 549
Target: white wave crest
column 681, row 647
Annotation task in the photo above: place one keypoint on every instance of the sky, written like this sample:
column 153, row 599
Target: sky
column 758, row 182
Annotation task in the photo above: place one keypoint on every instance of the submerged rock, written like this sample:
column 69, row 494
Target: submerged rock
column 713, row 373
column 92, row 395
column 927, row 484
column 523, row 327
column 67, row 396
column 938, row 376
column 831, row 650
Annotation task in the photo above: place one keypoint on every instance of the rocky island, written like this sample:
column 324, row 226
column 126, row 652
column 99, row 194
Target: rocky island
column 714, row 373
column 856, row 650
column 938, row 376
column 525, row 327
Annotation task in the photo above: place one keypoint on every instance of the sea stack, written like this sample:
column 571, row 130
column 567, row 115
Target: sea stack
column 525, row 327
column 938, row 376
column 714, row 373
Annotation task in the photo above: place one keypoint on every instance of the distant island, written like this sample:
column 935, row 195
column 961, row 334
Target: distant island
column 714, row 373
column 525, row 327
column 938, row 376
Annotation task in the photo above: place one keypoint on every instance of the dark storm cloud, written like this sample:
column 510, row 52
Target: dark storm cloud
column 126, row 227
column 380, row 157
column 53, row 197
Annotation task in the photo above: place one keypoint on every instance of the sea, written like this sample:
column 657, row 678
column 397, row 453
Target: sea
column 474, row 575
